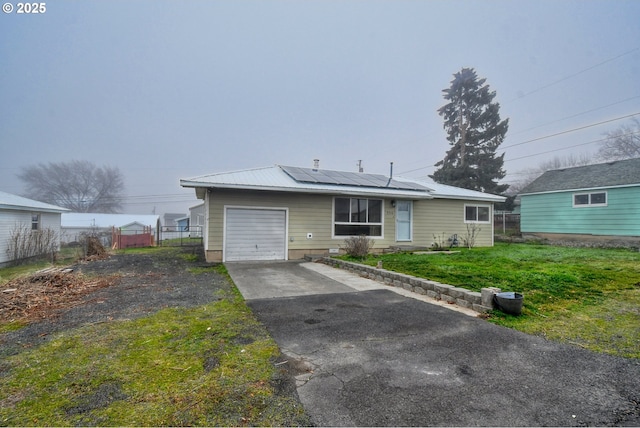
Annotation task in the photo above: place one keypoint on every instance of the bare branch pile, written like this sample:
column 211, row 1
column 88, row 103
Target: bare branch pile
column 42, row 294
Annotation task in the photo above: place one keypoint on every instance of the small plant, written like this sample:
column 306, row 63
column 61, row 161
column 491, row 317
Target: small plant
column 443, row 243
column 473, row 230
column 358, row 246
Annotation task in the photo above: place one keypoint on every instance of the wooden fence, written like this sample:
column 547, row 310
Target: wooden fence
column 121, row 240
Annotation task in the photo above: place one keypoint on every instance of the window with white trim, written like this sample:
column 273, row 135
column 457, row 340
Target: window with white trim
column 35, row 221
column 357, row 216
column 477, row 213
column 597, row 199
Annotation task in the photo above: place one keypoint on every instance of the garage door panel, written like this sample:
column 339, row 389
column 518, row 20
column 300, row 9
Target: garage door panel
column 255, row 234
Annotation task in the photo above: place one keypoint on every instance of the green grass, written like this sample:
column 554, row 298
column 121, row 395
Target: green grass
column 588, row 297
column 211, row 365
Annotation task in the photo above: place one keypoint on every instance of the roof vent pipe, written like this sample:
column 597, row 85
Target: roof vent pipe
column 316, row 164
column 390, row 174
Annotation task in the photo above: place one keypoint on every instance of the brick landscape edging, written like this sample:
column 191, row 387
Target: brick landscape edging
column 436, row 290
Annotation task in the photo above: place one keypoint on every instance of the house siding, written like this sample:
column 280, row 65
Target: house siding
column 554, row 213
column 197, row 215
column 313, row 213
column 436, row 217
column 9, row 219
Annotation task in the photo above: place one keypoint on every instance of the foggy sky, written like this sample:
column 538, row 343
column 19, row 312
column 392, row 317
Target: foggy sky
column 171, row 89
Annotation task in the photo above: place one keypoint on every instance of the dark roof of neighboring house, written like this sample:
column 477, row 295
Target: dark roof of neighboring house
column 610, row 174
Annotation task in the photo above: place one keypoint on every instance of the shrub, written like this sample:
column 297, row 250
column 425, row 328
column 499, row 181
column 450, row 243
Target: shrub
column 443, row 243
column 358, row 246
column 472, row 233
column 25, row 243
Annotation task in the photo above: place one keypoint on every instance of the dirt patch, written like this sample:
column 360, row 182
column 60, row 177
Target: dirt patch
column 42, row 294
column 122, row 286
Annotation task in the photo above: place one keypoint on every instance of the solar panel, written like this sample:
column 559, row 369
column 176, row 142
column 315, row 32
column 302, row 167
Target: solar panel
column 341, row 178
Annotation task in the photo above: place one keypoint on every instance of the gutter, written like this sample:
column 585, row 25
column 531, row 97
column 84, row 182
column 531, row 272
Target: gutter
column 352, row 192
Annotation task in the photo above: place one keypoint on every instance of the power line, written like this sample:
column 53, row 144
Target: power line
column 569, row 117
column 576, row 115
column 570, row 130
column 576, row 74
column 570, row 147
column 545, row 137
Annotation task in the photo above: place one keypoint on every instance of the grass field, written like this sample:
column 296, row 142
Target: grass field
column 584, row 296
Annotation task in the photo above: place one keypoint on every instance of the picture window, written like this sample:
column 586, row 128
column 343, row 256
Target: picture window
column 357, row 216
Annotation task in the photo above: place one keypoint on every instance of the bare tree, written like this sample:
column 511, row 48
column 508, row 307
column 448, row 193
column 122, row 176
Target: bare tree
column 78, row 185
column 622, row 143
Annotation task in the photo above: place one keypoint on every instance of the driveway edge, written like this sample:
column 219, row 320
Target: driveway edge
column 436, row 290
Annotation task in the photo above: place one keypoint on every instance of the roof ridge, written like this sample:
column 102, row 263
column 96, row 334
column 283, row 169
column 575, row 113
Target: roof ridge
column 331, row 170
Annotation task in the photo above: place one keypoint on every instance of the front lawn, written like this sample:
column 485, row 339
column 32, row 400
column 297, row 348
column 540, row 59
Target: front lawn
column 584, row 296
column 187, row 352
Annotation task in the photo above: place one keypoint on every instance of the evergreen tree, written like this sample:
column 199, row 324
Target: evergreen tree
column 475, row 131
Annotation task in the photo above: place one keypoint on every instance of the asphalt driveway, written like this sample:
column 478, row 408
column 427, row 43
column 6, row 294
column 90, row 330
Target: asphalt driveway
column 377, row 358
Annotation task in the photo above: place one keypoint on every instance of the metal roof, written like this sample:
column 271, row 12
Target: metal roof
column 443, row 191
column 610, row 174
column 102, row 221
column 324, row 176
column 275, row 178
column 9, row 201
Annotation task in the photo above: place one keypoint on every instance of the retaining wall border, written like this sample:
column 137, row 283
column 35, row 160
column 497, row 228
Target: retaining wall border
column 479, row 302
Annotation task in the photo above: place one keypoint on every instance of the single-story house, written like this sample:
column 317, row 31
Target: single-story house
column 283, row 212
column 169, row 220
column 594, row 202
column 19, row 212
column 196, row 215
column 182, row 223
column 196, row 220
column 75, row 225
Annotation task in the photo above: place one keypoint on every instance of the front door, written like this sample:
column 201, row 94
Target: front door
column 403, row 220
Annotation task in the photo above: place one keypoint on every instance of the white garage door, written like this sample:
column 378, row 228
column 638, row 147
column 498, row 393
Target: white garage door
column 255, row 234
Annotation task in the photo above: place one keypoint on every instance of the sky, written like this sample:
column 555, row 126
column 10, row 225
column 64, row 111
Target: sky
column 166, row 90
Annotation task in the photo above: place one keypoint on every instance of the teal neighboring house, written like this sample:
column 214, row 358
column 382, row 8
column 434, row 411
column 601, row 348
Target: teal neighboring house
column 589, row 202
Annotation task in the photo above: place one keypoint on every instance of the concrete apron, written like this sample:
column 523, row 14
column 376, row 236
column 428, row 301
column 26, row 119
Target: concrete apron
column 269, row 279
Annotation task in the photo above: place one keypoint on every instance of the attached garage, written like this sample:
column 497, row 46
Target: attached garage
column 255, row 234
column 287, row 213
